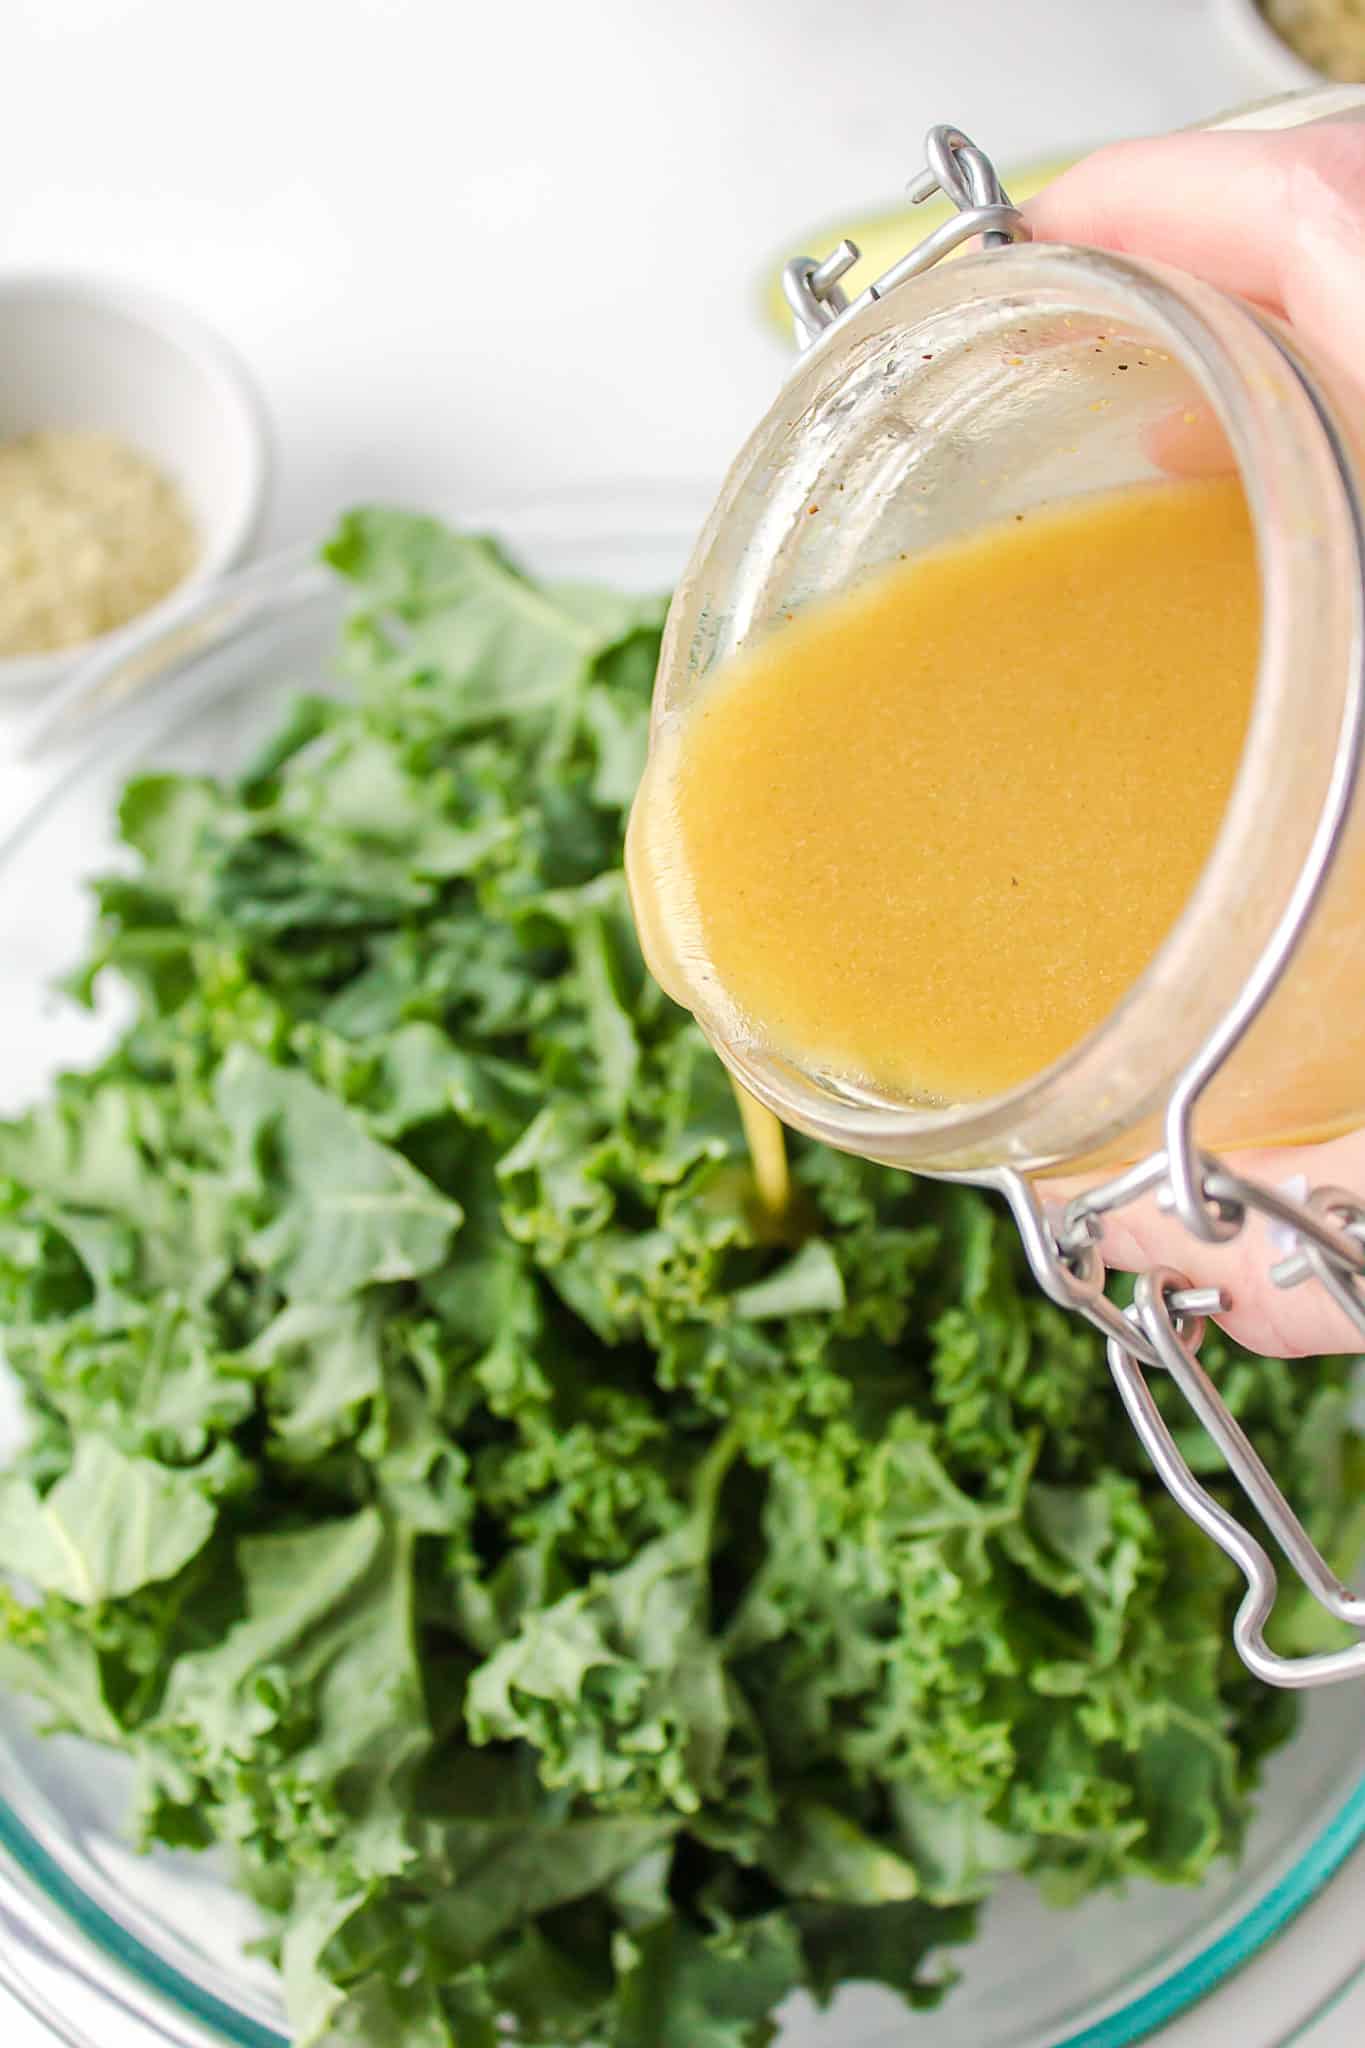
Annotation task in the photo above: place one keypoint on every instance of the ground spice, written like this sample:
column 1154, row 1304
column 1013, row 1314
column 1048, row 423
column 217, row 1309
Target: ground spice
column 91, row 534
column 1328, row 34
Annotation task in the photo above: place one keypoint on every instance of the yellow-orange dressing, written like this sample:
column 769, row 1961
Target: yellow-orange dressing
column 927, row 833
column 767, row 1144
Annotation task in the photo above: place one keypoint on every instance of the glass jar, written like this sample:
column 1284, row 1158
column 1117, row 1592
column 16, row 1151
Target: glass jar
column 986, row 387
column 948, row 398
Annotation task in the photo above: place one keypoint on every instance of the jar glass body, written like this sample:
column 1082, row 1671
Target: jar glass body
column 987, row 387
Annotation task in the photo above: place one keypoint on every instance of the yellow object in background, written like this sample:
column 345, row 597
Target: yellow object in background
column 883, row 238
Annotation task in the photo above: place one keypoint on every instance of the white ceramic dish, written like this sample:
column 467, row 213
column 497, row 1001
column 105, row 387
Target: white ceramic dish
column 93, row 354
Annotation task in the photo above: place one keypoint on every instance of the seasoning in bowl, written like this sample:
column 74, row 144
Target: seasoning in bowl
column 91, row 534
column 1328, row 34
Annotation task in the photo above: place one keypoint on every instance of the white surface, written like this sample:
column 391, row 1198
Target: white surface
column 469, row 247
column 467, row 244
column 99, row 356
column 1251, row 34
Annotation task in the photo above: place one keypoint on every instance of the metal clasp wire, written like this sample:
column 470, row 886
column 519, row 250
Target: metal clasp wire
column 1155, row 1314
column 1163, row 1331
column 955, row 167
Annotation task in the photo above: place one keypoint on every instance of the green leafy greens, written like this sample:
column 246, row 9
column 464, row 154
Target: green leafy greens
column 571, row 1599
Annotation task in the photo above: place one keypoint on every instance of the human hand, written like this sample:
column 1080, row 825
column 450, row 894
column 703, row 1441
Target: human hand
column 1278, row 218
column 1274, row 216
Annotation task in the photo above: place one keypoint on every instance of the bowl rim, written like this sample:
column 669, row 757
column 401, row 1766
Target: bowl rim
column 124, row 1978
column 235, row 391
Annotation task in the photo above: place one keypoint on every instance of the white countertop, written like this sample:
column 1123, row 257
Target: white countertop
column 475, row 249
column 469, row 248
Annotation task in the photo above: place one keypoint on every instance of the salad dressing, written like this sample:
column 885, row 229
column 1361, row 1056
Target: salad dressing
column 924, row 835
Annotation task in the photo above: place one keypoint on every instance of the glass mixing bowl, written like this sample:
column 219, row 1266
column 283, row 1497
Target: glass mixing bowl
column 111, row 1948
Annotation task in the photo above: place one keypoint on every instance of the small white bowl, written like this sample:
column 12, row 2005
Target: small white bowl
column 1265, row 47
column 109, row 358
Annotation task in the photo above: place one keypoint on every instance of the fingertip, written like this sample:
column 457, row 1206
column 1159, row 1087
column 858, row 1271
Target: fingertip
column 1077, row 206
column 1198, row 201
